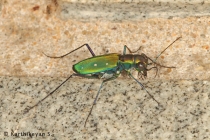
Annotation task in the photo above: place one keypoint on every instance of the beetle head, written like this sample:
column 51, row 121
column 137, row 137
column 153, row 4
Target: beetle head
column 141, row 65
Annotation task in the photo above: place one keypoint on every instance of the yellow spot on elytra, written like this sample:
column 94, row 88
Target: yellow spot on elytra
column 95, row 65
column 107, row 64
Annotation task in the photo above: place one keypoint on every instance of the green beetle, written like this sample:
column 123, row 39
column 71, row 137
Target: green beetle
column 109, row 67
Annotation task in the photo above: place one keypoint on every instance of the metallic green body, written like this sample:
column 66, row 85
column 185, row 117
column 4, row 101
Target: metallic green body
column 108, row 67
column 97, row 64
column 112, row 64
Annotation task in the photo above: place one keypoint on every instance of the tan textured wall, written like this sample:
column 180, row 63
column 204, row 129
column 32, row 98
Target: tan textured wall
column 28, row 29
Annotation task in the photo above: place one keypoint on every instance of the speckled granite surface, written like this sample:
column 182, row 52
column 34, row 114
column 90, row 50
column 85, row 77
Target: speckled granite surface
column 124, row 110
column 38, row 28
column 132, row 11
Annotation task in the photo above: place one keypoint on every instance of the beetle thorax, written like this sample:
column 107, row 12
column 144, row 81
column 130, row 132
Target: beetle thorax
column 134, row 59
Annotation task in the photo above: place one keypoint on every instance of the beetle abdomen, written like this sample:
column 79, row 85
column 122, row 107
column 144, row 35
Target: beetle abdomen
column 101, row 63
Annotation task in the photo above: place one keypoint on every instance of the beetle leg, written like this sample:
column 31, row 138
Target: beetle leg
column 28, row 109
column 124, row 51
column 94, row 102
column 90, row 50
column 75, row 74
column 154, row 68
column 143, row 88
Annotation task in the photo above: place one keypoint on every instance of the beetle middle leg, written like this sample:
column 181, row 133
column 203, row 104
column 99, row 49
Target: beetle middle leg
column 94, row 102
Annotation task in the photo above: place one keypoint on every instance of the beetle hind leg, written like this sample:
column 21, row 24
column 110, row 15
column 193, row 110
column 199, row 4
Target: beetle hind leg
column 89, row 48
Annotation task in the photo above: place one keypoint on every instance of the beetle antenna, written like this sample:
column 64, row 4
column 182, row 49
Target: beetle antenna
column 159, row 64
column 154, row 61
column 28, row 109
column 167, row 48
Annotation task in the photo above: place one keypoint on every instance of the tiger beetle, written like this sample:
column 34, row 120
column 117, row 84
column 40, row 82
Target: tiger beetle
column 109, row 67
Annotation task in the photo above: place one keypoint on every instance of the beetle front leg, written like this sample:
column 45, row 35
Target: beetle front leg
column 124, row 51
